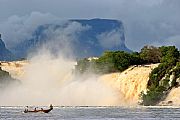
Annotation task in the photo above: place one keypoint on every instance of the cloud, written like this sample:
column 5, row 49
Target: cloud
column 171, row 41
column 110, row 39
column 145, row 21
column 149, row 2
column 20, row 28
column 174, row 40
column 16, row 29
column 146, row 24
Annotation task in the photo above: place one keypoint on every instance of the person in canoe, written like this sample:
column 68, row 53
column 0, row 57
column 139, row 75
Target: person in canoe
column 48, row 110
column 51, row 107
column 26, row 109
column 35, row 109
column 41, row 110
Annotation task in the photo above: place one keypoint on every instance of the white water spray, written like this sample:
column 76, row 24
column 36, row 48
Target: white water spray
column 48, row 79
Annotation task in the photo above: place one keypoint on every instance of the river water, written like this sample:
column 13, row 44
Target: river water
column 93, row 113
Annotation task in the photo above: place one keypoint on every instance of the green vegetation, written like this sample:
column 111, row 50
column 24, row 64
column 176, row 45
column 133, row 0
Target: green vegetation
column 3, row 74
column 164, row 77
column 161, row 80
column 109, row 62
column 6, row 79
column 151, row 54
column 119, row 60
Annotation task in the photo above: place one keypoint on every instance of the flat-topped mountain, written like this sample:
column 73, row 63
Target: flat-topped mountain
column 83, row 38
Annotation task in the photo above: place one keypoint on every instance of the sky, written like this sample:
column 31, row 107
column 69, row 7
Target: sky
column 146, row 22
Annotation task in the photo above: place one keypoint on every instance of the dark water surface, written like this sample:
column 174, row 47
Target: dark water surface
column 93, row 113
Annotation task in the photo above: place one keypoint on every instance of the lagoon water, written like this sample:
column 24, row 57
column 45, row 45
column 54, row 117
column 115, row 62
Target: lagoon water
column 93, row 113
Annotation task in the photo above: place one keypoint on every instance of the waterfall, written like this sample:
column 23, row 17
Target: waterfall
column 130, row 83
column 48, row 80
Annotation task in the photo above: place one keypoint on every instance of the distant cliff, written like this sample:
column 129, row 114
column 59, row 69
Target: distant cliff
column 84, row 38
column 5, row 54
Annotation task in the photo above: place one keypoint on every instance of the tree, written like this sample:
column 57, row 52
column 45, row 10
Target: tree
column 150, row 54
column 170, row 54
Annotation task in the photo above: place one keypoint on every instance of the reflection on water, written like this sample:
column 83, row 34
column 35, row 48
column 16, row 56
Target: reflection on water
column 77, row 113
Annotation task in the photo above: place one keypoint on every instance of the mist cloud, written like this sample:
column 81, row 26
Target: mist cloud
column 49, row 79
column 62, row 39
column 110, row 39
column 16, row 29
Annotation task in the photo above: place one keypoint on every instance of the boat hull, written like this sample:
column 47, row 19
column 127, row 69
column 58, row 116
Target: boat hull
column 36, row 111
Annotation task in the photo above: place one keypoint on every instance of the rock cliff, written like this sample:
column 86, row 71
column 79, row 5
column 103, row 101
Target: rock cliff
column 5, row 54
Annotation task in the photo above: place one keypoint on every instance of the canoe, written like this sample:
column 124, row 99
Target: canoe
column 36, row 111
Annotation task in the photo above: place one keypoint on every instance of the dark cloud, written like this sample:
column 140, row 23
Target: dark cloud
column 146, row 21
